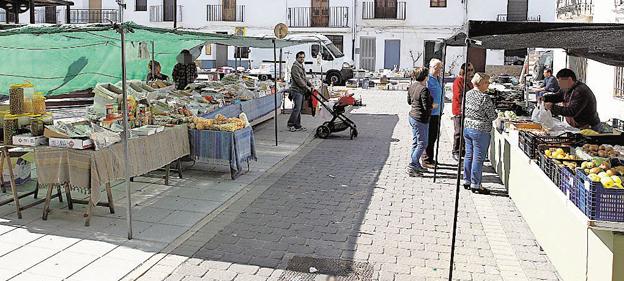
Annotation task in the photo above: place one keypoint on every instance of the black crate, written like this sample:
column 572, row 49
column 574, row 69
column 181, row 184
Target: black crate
column 529, row 142
column 618, row 124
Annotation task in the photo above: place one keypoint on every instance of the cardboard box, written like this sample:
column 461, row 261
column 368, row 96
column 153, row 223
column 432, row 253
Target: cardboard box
column 54, row 134
column 71, row 143
column 29, row 140
column 21, row 171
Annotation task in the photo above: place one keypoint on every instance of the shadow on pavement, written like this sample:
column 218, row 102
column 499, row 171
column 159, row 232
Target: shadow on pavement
column 312, row 214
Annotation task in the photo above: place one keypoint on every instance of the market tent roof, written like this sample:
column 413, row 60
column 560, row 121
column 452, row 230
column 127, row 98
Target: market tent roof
column 597, row 41
column 58, row 59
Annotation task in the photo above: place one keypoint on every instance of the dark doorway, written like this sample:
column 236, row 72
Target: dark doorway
column 429, row 53
column 517, row 10
column 50, row 15
column 320, row 13
column 221, row 54
column 477, row 56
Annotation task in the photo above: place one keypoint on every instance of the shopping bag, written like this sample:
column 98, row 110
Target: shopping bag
column 542, row 116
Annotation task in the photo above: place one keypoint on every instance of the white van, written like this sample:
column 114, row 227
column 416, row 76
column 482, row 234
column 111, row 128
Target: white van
column 322, row 58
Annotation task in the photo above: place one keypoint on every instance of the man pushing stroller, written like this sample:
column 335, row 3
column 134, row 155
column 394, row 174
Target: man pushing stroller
column 300, row 88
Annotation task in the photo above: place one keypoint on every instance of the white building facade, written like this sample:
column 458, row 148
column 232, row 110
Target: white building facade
column 607, row 82
column 374, row 34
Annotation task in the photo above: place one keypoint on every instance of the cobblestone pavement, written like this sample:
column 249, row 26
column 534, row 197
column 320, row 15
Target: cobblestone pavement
column 346, row 210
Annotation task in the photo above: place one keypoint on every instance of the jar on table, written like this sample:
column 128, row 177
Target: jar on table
column 37, row 127
column 10, row 128
column 38, row 101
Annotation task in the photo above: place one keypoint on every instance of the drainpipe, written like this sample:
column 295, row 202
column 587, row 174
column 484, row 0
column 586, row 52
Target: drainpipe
column 354, row 31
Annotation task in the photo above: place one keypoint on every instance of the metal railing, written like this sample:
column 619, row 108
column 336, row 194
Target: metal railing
column 219, row 13
column 304, row 17
column 574, row 8
column 369, row 11
column 503, row 17
column 91, row 15
column 159, row 14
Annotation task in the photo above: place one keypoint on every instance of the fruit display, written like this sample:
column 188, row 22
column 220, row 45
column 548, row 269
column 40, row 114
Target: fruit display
column 603, row 151
column 610, row 177
column 589, row 132
column 559, row 154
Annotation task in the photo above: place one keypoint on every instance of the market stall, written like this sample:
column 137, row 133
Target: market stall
column 566, row 182
column 123, row 114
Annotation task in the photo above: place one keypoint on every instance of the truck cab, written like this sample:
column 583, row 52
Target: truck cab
column 322, row 57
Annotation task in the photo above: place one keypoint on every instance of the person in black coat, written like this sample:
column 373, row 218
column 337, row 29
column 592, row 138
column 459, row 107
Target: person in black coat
column 422, row 104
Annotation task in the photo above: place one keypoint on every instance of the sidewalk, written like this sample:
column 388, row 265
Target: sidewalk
column 347, row 209
column 62, row 248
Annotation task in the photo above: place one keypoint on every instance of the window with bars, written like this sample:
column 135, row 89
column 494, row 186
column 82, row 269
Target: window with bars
column 618, row 85
column 141, row 5
column 241, row 53
column 437, row 3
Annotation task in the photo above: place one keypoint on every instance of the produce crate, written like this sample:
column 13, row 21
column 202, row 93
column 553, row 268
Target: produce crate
column 529, row 142
column 567, row 180
column 597, row 202
column 550, row 166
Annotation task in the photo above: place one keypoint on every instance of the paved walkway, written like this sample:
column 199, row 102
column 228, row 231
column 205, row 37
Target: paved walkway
column 309, row 209
column 345, row 210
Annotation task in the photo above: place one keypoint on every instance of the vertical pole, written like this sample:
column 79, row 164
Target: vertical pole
column 15, row 12
column 437, row 150
column 275, row 94
column 175, row 13
column 31, row 8
column 153, row 62
column 124, row 88
column 68, row 14
column 459, row 165
column 281, row 62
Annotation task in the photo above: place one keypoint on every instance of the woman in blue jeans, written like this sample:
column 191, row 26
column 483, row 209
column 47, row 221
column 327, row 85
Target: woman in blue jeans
column 420, row 99
column 480, row 112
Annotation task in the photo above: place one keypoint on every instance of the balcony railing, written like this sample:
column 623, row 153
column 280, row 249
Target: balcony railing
column 503, row 17
column 318, row 17
column 369, row 11
column 160, row 14
column 219, row 13
column 91, row 15
column 574, row 8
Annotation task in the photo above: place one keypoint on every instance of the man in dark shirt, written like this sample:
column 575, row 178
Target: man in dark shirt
column 579, row 102
column 550, row 82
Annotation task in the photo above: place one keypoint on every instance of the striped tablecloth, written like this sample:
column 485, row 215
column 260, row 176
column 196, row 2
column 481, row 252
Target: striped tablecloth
column 237, row 147
column 88, row 170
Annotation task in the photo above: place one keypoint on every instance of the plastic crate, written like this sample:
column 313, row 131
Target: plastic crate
column 600, row 203
column 530, row 142
column 567, row 180
column 578, row 194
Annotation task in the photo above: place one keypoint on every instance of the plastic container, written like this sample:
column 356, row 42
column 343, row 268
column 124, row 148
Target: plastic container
column 597, row 202
column 567, row 181
column 16, row 100
column 10, row 128
column 39, row 106
column 37, row 127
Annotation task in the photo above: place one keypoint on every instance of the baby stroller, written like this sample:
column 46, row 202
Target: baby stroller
column 339, row 121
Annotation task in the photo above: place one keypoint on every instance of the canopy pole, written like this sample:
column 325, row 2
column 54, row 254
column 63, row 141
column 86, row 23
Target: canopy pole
column 153, row 62
column 124, row 88
column 281, row 62
column 459, row 164
column 275, row 79
column 31, row 8
column 175, row 13
column 435, row 168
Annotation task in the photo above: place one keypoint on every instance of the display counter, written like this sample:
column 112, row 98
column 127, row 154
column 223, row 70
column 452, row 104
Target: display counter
column 580, row 249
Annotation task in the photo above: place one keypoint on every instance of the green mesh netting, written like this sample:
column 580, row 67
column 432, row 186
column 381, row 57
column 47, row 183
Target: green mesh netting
column 60, row 59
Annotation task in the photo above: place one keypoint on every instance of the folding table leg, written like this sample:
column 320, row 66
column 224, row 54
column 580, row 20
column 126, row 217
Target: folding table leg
column 58, row 193
column 36, row 192
column 70, row 202
column 46, row 206
column 2, row 187
column 109, row 194
column 89, row 213
column 5, row 156
column 179, row 167
column 167, row 172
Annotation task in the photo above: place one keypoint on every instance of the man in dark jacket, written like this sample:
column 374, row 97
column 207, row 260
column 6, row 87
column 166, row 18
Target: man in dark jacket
column 579, row 102
column 299, row 88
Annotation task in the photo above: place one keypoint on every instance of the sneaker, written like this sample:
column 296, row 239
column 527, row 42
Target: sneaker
column 466, row 186
column 481, row 190
column 413, row 173
column 456, row 157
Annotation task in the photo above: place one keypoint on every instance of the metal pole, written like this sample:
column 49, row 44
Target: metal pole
column 31, row 7
column 153, row 62
column 435, row 168
column 175, row 13
column 124, row 88
column 275, row 94
column 281, row 61
column 459, row 164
